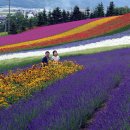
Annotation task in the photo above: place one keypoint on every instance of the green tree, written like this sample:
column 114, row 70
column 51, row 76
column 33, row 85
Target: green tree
column 44, row 16
column 64, row 16
column 76, row 14
column 92, row 15
column 87, row 13
column 13, row 27
column 99, row 11
column 40, row 19
column 30, row 23
column 24, row 24
column 50, row 18
column 121, row 10
column 111, row 9
column 2, row 26
column 68, row 16
column 57, row 15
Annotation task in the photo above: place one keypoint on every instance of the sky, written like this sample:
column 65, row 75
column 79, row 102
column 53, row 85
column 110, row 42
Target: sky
column 67, row 4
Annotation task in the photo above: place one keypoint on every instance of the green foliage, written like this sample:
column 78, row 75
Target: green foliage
column 3, row 33
column 87, row 13
column 50, row 18
column 40, row 19
column 121, row 10
column 13, row 27
column 98, row 12
column 12, row 99
column 111, row 9
column 65, row 16
column 76, row 14
column 2, row 27
column 57, row 15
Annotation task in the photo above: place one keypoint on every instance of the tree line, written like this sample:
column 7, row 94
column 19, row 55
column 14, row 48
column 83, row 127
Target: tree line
column 20, row 23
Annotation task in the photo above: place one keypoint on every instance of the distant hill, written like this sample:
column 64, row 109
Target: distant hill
column 61, row 3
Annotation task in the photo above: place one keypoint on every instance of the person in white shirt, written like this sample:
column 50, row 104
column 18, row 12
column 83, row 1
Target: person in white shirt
column 55, row 56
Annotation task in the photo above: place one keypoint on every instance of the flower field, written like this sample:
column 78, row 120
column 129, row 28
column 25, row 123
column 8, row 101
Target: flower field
column 72, row 103
column 42, row 32
column 54, row 39
column 80, row 30
column 81, row 92
column 116, row 115
column 22, row 83
column 92, row 28
column 119, row 39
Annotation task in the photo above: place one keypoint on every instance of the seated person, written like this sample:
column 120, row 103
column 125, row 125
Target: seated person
column 46, row 58
column 55, row 56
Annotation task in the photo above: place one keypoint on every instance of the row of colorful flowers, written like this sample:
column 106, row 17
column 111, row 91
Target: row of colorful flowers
column 89, row 30
column 42, row 32
column 22, row 83
column 56, row 39
column 117, row 40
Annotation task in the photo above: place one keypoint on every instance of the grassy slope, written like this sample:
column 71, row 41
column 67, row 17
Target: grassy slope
column 3, row 33
column 6, row 65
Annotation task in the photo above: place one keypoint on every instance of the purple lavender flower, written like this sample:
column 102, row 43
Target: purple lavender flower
column 69, row 103
column 116, row 114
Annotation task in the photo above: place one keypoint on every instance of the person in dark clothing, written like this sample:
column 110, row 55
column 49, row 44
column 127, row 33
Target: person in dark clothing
column 46, row 58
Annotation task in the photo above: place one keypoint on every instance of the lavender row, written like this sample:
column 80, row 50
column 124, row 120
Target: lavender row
column 67, row 103
column 116, row 114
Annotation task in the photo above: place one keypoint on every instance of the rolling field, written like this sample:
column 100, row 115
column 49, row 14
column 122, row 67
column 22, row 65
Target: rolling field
column 70, row 103
column 89, row 89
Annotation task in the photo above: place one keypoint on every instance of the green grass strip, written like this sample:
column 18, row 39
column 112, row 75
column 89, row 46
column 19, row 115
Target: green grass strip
column 3, row 33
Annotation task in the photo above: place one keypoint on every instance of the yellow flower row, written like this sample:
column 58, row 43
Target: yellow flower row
column 22, row 83
column 79, row 29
